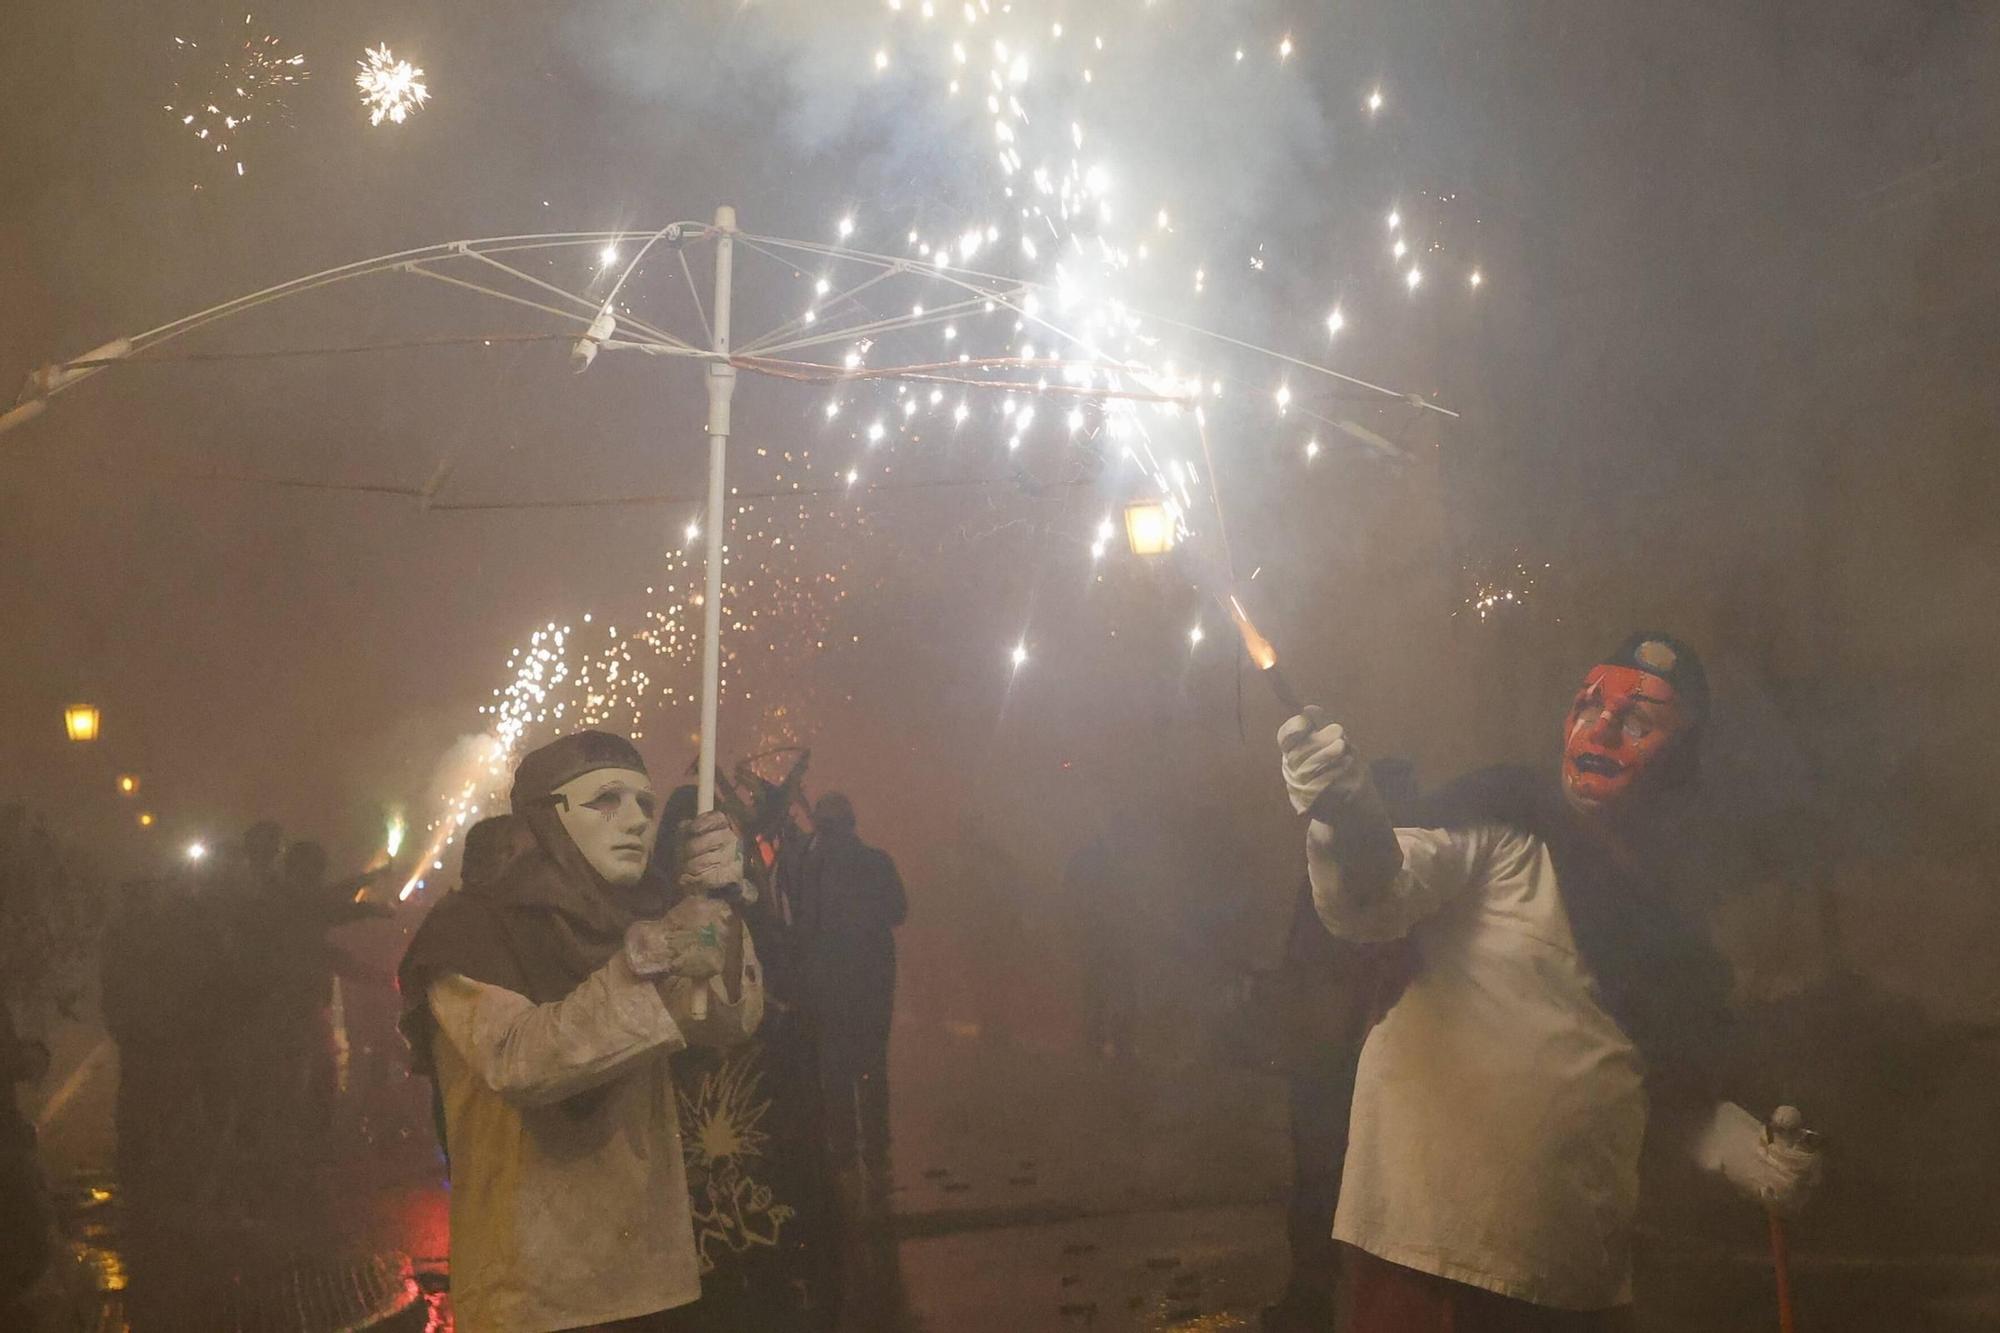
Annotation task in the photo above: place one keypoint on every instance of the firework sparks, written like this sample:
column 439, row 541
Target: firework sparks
column 391, row 89
column 232, row 84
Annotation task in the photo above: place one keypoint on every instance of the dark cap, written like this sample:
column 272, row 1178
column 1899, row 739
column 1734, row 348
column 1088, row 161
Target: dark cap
column 1671, row 660
column 568, row 757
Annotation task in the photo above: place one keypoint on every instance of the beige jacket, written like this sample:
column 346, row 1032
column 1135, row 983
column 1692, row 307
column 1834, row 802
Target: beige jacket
column 568, row 1209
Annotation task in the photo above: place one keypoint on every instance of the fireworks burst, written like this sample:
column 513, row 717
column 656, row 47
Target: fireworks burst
column 622, row 674
column 391, row 89
column 233, row 83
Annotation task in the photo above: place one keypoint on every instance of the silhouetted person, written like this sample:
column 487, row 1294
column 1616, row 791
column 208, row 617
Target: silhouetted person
column 851, row 902
column 24, row 1210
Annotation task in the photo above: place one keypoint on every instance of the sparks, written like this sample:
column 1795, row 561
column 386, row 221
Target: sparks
column 232, row 85
column 391, row 89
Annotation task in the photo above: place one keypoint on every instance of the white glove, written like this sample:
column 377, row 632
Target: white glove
column 710, row 855
column 1766, row 1168
column 1315, row 758
column 688, row 941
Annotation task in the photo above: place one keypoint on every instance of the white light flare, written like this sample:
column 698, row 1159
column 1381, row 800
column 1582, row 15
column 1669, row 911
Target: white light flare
column 391, row 89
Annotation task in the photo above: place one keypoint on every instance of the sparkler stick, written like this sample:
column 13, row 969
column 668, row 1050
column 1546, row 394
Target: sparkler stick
column 1266, row 657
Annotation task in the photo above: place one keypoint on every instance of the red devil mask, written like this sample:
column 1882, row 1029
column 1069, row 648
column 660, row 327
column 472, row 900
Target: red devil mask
column 1622, row 730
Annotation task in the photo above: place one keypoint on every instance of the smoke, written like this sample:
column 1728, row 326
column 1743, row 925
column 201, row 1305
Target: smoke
column 1153, row 96
column 466, row 781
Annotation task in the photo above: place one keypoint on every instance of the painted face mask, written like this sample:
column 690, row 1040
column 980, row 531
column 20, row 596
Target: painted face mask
column 1621, row 728
column 613, row 816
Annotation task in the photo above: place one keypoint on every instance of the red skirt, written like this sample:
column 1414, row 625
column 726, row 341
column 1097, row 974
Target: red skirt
column 1380, row 1297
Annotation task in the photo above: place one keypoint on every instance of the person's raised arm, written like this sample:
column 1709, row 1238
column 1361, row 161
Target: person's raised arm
column 539, row 1054
column 1371, row 881
column 703, row 947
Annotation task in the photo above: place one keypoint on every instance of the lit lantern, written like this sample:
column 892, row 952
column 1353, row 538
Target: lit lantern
column 82, row 721
column 1149, row 529
column 146, row 819
column 128, row 785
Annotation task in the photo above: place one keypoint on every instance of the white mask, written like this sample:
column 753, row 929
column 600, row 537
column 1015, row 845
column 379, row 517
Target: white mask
column 612, row 815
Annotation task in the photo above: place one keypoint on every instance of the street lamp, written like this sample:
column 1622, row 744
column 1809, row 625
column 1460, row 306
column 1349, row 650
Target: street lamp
column 1149, row 528
column 81, row 721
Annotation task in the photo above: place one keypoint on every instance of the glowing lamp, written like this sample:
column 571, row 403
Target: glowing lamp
column 1149, row 529
column 127, row 784
column 81, row 720
column 146, row 819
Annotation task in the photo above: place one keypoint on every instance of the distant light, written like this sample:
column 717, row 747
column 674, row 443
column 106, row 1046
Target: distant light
column 1075, row 420
column 197, row 851
column 881, row 60
column 853, row 476
column 1194, row 636
column 608, row 255
column 1399, row 249
column 1395, row 219
column 1414, row 277
column 846, row 228
column 1335, row 322
column 1283, row 397
column 960, row 413
column 876, row 430
column 1375, row 100
column 145, row 819
column 693, row 529
column 81, row 721
column 1148, row 529
column 1475, row 278
column 127, row 784
column 1019, row 656
column 1312, row 450
column 822, row 287
column 1285, row 48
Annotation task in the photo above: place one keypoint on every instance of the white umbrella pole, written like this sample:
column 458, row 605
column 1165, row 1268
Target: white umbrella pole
column 721, row 387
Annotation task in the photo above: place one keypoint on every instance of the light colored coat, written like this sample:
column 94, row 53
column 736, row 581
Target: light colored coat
column 569, row 1197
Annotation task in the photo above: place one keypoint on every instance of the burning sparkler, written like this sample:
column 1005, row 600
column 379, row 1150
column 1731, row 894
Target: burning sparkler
column 391, row 89
column 230, row 84
column 1266, row 658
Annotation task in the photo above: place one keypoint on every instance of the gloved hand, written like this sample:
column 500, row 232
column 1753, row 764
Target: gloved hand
column 709, row 856
column 1317, row 761
column 1770, row 1170
column 691, row 941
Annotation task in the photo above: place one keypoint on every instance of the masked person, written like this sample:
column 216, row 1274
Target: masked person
column 1555, row 1005
column 544, row 999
